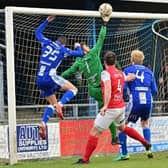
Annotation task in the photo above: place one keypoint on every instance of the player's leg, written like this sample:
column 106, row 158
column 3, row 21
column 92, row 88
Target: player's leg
column 147, row 136
column 135, row 135
column 133, row 117
column 48, row 112
column 91, row 144
column 71, row 91
column 123, row 155
column 63, row 85
column 122, row 136
column 120, row 122
column 146, row 130
column 146, row 113
column 114, row 137
column 96, row 93
column 45, row 84
column 101, row 123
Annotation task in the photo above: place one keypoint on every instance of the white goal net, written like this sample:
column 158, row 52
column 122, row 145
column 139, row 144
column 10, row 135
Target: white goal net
column 123, row 35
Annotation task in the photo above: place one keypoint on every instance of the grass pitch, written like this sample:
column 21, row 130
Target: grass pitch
column 160, row 160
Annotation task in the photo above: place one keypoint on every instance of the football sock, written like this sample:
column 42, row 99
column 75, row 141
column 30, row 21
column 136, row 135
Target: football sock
column 134, row 134
column 68, row 95
column 48, row 112
column 90, row 147
column 123, row 143
column 147, row 134
column 113, row 130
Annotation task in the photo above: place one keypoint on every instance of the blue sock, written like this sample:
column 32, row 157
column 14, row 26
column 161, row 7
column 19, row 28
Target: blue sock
column 123, row 143
column 68, row 95
column 147, row 134
column 48, row 112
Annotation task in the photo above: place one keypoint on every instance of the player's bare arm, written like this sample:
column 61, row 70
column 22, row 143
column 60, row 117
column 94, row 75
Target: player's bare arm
column 107, row 91
column 129, row 77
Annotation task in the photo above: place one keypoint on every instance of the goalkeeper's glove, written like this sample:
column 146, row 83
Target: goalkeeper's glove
column 105, row 18
column 105, row 23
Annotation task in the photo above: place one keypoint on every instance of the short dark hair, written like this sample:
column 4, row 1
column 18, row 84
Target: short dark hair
column 62, row 40
column 109, row 58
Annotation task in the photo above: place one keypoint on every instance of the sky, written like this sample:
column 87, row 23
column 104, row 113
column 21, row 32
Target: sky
column 118, row 5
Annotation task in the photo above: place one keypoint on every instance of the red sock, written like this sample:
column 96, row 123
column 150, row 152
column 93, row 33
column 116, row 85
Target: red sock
column 134, row 134
column 90, row 147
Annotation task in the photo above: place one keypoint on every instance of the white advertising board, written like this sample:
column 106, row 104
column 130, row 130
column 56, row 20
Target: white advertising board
column 29, row 144
column 159, row 135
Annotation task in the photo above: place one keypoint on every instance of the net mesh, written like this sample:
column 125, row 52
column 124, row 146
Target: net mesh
column 122, row 37
column 160, row 29
column 3, row 92
column 3, row 84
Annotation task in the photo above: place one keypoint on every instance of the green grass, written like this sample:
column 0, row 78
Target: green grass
column 136, row 161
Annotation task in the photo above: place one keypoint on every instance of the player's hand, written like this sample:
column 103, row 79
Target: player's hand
column 130, row 77
column 103, row 111
column 76, row 45
column 106, row 18
column 51, row 18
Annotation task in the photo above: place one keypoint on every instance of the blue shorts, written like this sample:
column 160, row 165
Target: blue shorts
column 142, row 111
column 49, row 84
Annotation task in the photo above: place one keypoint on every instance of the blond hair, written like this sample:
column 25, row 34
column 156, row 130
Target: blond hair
column 137, row 57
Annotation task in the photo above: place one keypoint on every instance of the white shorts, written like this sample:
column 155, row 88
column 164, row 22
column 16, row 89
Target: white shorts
column 116, row 115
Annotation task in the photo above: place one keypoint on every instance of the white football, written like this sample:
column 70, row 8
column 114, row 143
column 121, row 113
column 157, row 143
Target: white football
column 105, row 9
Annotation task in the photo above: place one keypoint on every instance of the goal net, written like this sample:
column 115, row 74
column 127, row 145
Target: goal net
column 124, row 34
column 122, row 37
column 160, row 66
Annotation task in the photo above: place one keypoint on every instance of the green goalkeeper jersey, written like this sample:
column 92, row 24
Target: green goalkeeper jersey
column 90, row 65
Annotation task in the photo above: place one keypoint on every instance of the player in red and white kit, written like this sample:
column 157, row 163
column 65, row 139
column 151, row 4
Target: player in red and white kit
column 112, row 83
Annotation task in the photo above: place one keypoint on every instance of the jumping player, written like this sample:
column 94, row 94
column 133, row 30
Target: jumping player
column 52, row 54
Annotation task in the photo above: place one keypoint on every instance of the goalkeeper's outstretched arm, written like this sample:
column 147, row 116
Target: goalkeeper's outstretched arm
column 70, row 71
column 99, row 44
column 105, row 14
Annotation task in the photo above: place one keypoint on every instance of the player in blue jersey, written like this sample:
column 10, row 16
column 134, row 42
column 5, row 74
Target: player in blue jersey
column 47, row 80
column 141, row 91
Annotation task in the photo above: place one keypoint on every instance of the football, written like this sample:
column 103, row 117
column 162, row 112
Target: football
column 105, row 9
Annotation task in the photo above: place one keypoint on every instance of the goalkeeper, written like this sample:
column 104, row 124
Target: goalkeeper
column 91, row 67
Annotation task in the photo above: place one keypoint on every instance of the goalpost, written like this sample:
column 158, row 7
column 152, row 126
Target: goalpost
column 126, row 31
